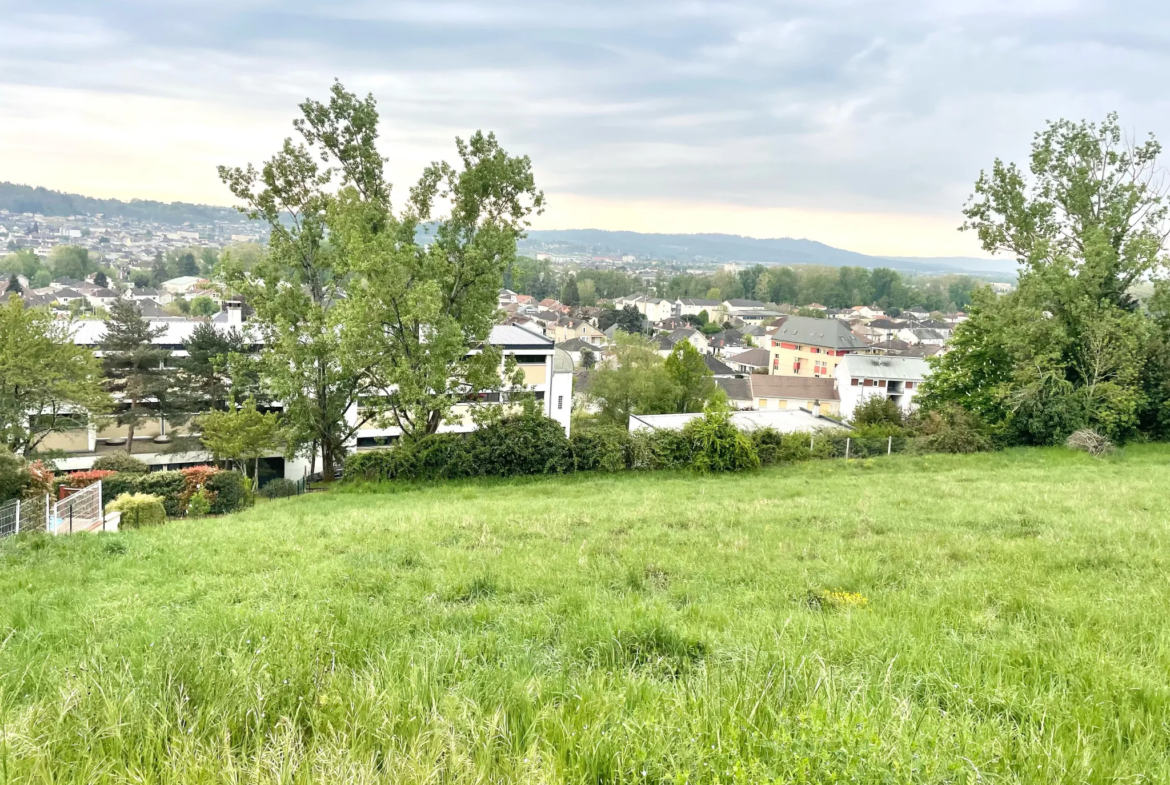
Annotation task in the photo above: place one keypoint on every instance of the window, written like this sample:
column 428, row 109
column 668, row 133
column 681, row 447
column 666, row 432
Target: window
column 882, row 383
column 796, row 367
column 854, row 382
column 909, row 385
column 560, row 401
column 540, row 395
column 763, row 403
column 530, row 359
column 775, row 363
column 815, row 350
column 869, row 382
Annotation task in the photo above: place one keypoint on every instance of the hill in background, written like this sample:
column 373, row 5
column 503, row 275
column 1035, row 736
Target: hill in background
column 711, row 248
column 28, row 199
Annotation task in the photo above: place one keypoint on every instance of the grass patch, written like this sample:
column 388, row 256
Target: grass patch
column 935, row 619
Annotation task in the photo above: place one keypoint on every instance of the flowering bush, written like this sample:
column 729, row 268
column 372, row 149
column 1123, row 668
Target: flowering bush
column 41, row 480
column 195, row 479
column 86, row 479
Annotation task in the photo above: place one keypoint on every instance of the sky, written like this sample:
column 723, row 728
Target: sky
column 859, row 123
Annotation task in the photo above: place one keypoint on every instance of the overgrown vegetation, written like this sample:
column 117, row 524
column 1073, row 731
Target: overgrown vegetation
column 816, row 623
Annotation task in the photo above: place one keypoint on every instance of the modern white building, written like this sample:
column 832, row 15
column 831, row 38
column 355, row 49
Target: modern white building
column 861, row 376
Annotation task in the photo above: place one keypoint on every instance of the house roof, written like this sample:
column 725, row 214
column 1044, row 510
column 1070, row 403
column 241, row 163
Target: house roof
column 682, row 333
column 868, row 366
column 745, row 304
column 699, row 302
column 828, row 333
column 793, row 387
column 885, row 324
column 757, row 358
column 576, row 345
column 735, row 389
column 513, row 335
column 717, row 366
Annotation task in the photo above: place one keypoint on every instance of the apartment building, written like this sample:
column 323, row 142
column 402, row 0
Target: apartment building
column 859, row 377
column 548, row 373
column 810, row 347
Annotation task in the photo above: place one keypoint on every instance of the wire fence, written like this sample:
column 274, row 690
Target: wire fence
column 23, row 515
column 859, row 446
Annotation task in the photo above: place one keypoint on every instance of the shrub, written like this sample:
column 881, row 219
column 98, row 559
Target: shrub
column 231, row 492
column 15, row 477
column 121, row 462
column 660, row 449
column 41, row 480
column 953, row 430
column 199, row 504
column 195, row 479
column 878, row 410
column 279, row 489
column 600, row 448
column 85, row 479
column 514, row 447
column 138, row 509
column 168, row 486
column 718, row 445
column 769, row 444
column 116, row 484
column 1088, row 440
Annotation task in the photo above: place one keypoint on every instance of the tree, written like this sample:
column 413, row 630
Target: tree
column 159, row 271
column 100, row 279
column 187, row 265
column 42, row 279
column 140, row 279
column 571, row 296
column 607, row 318
column 203, row 306
column 1068, row 348
column 14, row 286
column 70, row 261
column 763, row 288
column 630, row 321
column 135, row 367
column 693, row 381
column 46, row 381
column 240, row 434
column 588, row 359
column 215, row 367
column 587, row 291
column 635, row 383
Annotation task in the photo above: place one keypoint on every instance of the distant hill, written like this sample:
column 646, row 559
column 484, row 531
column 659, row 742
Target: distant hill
column 689, row 248
column 27, row 199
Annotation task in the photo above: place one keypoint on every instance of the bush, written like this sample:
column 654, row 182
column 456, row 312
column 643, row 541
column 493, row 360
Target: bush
column 513, row 447
column 116, row 484
column 15, row 477
column 84, row 479
column 41, row 480
column 718, row 445
column 878, row 410
column 279, row 489
column 138, row 510
column 600, row 448
column 199, row 504
column 231, row 492
column 195, row 480
column 121, row 462
column 660, row 449
column 1088, row 440
column 168, row 486
column 953, row 430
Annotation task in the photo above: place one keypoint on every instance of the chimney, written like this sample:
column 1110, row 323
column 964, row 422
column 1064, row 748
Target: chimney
column 234, row 310
column 816, row 409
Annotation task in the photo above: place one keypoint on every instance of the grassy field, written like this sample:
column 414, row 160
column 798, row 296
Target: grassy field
column 1012, row 626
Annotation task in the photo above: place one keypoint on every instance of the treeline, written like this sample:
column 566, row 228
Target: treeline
column 835, row 287
column 28, row 199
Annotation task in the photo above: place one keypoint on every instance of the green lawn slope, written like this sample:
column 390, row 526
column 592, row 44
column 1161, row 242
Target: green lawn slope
column 1011, row 624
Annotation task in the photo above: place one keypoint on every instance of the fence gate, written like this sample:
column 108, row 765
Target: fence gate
column 80, row 511
column 23, row 515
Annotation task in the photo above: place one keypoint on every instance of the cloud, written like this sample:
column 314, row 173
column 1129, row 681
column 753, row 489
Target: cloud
column 851, row 108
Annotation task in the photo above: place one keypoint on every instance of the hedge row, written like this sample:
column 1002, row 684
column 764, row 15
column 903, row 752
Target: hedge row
column 225, row 491
column 530, row 445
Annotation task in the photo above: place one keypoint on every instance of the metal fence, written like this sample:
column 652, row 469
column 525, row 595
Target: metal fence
column 23, row 515
column 80, row 511
column 858, row 446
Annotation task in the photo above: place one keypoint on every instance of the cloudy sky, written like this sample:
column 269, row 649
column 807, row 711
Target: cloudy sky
column 860, row 123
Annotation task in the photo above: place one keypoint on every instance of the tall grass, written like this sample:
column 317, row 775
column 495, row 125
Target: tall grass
column 657, row 628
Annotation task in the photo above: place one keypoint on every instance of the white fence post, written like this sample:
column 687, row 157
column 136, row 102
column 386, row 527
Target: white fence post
column 101, row 508
column 890, row 446
column 848, row 441
column 17, row 515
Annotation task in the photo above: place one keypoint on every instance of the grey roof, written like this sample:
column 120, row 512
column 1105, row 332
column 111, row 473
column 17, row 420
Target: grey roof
column 829, row 333
column 867, row 366
column 886, row 324
column 514, row 335
column 575, row 345
column 736, row 389
column 717, row 366
column 699, row 302
column 745, row 303
column 682, row 333
column 798, row 387
column 758, row 358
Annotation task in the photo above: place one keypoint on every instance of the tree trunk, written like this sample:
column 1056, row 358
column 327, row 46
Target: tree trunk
column 327, row 461
column 130, row 431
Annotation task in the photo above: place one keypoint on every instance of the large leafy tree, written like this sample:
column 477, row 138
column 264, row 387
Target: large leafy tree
column 241, row 435
column 136, row 369
column 635, row 381
column 353, row 308
column 46, row 381
column 694, row 383
column 1068, row 348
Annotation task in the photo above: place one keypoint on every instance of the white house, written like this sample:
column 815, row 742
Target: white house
column 693, row 306
column 860, row 376
column 655, row 309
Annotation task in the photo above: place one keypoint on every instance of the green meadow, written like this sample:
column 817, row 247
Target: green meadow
column 1000, row 618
